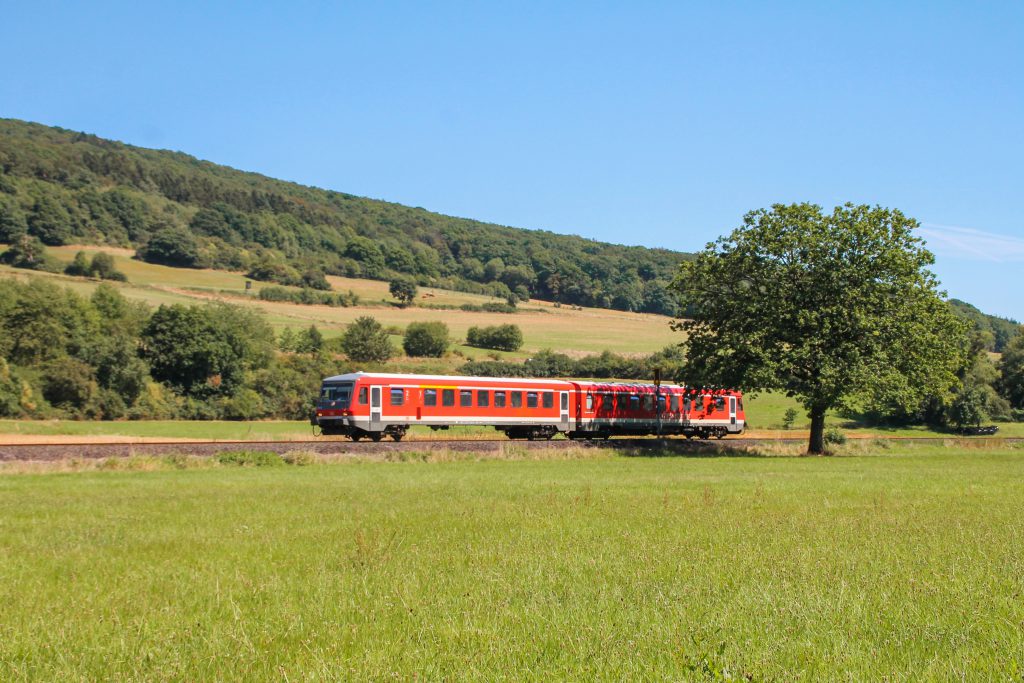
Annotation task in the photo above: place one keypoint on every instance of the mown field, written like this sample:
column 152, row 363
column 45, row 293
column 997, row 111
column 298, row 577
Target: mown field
column 900, row 564
column 582, row 331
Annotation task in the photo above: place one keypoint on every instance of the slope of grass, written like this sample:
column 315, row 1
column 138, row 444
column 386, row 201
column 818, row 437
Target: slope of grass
column 575, row 331
column 860, row 568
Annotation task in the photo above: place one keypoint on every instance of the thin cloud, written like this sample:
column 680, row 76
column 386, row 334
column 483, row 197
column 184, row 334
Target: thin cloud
column 971, row 244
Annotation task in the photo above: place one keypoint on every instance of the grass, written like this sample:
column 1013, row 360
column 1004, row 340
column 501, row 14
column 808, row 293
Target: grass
column 907, row 566
column 543, row 325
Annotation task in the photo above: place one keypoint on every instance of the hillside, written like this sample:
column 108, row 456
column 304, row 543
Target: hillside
column 66, row 187
column 997, row 332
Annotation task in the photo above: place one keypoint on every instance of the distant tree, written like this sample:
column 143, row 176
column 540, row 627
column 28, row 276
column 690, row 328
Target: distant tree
column 365, row 340
column 968, row 407
column 403, row 289
column 204, row 350
column 789, row 418
column 171, row 246
column 426, row 339
column 498, row 337
column 1011, row 372
column 315, row 279
column 78, row 267
column 29, row 252
column 12, row 221
column 830, row 308
column 49, row 221
column 102, row 266
column 309, row 340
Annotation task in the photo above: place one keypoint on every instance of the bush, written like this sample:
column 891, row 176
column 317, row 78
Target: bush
column 498, row 337
column 308, row 296
column 366, row 340
column 789, row 418
column 428, row 339
column 835, row 436
column 300, row 458
column 250, row 458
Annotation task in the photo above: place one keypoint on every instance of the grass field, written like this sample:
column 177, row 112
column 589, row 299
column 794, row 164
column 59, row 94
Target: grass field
column 578, row 332
column 899, row 565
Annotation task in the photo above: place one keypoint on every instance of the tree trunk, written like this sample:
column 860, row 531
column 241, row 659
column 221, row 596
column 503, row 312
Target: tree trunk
column 817, row 443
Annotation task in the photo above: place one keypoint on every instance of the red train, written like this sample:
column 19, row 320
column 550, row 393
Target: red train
column 375, row 405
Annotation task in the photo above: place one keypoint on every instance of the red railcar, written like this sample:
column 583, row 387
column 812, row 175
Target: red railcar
column 375, row 405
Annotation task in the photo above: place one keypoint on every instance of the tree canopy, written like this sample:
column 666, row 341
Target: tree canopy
column 832, row 308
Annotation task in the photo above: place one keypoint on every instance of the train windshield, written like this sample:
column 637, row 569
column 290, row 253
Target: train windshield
column 336, row 395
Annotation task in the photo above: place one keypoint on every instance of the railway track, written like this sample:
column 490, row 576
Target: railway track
column 94, row 449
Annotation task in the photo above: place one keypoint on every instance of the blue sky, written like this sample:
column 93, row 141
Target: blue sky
column 641, row 123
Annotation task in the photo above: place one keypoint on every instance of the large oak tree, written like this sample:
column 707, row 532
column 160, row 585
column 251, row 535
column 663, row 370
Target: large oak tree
column 830, row 308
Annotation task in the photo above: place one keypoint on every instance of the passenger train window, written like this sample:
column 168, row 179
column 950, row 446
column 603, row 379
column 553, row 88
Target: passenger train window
column 430, row 397
column 661, row 404
column 531, row 399
column 447, row 397
column 548, row 399
column 673, row 403
column 719, row 402
column 362, row 396
column 483, row 398
column 565, row 400
column 648, row 402
column 634, row 402
column 465, row 398
column 739, row 404
column 517, row 399
column 499, row 399
column 590, row 401
column 397, row 397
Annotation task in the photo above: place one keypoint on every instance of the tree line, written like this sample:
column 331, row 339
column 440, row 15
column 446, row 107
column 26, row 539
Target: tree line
column 59, row 187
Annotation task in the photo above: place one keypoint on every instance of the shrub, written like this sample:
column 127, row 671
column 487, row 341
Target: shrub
column 835, row 436
column 250, row 458
column 789, row 418
column 366, row 340
column 426, row 339
column 498, row 337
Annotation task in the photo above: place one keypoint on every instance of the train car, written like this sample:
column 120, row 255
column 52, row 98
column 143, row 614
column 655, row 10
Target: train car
column 375, row 405
column 605, row 409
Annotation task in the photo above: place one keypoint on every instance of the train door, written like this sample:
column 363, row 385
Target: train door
column 375, row 421
column 732, row 410
column 564, row 412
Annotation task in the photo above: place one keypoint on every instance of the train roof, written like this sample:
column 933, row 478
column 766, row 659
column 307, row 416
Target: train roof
column 353, row 376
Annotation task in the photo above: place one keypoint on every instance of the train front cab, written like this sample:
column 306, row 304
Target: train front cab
column 713, row 413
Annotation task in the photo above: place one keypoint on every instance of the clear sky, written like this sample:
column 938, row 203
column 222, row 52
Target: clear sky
column 641, row 123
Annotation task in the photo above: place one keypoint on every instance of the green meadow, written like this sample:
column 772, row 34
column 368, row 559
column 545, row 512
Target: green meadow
column 883, row 563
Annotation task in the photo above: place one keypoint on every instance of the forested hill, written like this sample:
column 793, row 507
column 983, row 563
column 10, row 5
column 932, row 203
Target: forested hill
column 67, row 187
column 997, row 332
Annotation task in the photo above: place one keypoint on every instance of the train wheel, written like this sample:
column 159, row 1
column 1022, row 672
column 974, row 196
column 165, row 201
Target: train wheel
column 397, row 436
column 376, row 436
column 355, row 436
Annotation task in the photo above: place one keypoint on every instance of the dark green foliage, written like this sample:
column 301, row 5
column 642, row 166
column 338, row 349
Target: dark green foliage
column 498, row 337
column 428, row 339
column 12, row 221
column 1011, row 371
column 10, row 392
column 834, row 309
column 69, row 383
column 79, row 186
column 205, row 350
column 101, row 266
column 309, row 296
column 403, row 289
column 171, row 246
column 49, row 221
column 996, row 332
column 789, row 418
column 29, row 252
column 366, row 340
